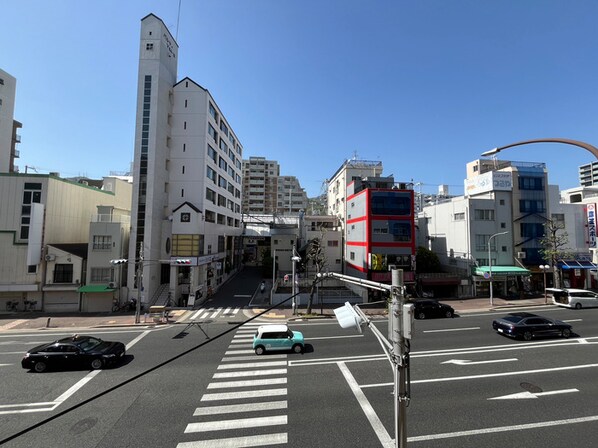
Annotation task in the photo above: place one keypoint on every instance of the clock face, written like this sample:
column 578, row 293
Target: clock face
column 185, row 217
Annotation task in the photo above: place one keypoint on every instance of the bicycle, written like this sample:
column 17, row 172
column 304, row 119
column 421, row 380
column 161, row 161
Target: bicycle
column 128, row 306
column 12, row 305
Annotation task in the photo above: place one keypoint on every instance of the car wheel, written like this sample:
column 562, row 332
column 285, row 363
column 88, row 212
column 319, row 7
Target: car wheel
column 449, row 313
column 421, row 315
column 528, row 335
column 566, row 333
column 40, row 366
column 298, row 348
column 259, row 350
column 578, row 306
column 97, row 363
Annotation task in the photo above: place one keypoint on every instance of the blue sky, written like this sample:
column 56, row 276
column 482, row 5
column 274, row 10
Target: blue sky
column 423, row 86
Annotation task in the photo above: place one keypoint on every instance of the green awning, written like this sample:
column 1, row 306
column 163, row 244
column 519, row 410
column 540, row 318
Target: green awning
column 501, row 270
column 95, row 288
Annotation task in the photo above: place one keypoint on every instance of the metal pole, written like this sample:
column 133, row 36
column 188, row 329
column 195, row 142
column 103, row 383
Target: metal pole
column 490, row 270
column 139, row 284
column 294, row 303
column 398, row 347
column 273, row 275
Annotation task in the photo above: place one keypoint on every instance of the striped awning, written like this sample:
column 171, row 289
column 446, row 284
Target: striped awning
column 501, row 270
column 577, row 264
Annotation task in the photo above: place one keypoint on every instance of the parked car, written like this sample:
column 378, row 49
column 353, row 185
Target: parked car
column 277, row 338
column 423, row 309
column 529, row 326
column 573, row 298
column 74, row 351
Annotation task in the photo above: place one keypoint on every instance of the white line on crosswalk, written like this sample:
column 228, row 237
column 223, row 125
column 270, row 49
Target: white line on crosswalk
column 249, row 365
column 247, row 394
column 237, row 423
column 237, row 408
column 250, row 358
column 237, row 352
column 247, row 383
column 238, row 442
column 244, row 373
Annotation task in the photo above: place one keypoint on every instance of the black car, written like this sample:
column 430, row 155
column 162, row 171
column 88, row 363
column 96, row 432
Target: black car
column 74, row 351
column 528, row 326
column 423, row 309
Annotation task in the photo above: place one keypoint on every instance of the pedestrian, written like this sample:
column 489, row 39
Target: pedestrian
column 262, row 286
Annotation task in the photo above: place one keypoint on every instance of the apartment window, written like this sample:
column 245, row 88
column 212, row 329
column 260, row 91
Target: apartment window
column 210, row 195
column 391, row 203
column 459, row 216
column 212, row 154
column 531, row 206
column 531, row 183
column 222, row 182
column 532, row 230
column 213, row 113
column 352, row 256
column 102, row 275
column 221, row 201
column 211, row 174
column 223, row 128
column 102, row 242
column 63, row 273
column 481, row 242
column 223, row 146
column 222, row 164
column 333, row 243
column 210, row 216
column 484, row 215
column 558, row 218
column 501, row 202
column 213, row 132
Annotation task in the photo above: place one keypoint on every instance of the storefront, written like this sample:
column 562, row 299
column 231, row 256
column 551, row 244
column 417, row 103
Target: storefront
column 507, row 281
column 579, row 274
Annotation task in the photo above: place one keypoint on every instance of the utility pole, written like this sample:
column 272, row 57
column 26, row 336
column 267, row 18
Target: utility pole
column 139, row 284
column 396, row 348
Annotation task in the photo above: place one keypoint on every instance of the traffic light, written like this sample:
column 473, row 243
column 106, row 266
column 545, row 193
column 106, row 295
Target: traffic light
column 182, row 261
column 347, row 317
column 119, row 261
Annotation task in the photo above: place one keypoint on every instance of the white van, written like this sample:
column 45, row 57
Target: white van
column 574, row 298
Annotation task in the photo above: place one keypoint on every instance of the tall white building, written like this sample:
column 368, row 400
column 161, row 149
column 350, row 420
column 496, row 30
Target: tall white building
column 8, row 126
column 187, row 171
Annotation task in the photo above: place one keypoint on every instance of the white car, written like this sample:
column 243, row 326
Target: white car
column 574, row 298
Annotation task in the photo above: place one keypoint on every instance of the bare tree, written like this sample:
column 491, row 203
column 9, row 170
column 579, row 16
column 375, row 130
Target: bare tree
column 315, row 254
column 554, row 247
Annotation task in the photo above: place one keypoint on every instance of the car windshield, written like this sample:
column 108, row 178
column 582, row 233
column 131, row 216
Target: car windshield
column 289, row 333
column 513, row 319
column 87, row 343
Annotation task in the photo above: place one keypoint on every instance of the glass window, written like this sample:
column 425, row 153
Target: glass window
column 63, row 273
column 484, row 214
column 102, row 242
column 390, row 203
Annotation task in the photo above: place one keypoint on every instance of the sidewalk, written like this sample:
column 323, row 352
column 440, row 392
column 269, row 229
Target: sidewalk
column 75, row 321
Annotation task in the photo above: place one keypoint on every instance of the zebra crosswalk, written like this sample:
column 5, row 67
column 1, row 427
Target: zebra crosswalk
column 245, row 403
column 210, row 313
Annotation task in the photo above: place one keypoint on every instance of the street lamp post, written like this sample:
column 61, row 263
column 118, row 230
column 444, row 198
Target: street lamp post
column 490, row 264
column 294, row 259
column 545, row 268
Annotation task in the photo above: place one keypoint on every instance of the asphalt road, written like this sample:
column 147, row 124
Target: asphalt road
column 470, row 387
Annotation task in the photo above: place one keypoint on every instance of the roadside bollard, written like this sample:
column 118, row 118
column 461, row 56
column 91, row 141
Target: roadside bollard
column 48, row 323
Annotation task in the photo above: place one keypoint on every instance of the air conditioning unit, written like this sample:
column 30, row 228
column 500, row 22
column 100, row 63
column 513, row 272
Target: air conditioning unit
column 520, row 254
column 50, row 257
column 112, row 285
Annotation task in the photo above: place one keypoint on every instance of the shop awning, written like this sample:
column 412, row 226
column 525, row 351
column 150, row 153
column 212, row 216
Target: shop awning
column 577, row 264
column 95, row 288
column 501, row 270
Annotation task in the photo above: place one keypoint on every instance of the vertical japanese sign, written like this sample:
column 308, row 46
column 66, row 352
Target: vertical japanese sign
column 591, row 216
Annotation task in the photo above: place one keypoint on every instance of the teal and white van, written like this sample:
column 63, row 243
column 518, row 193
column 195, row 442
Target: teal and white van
column 277, row 338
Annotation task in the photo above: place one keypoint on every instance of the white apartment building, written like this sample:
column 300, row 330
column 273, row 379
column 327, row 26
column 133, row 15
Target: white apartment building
column 291, row 199
column 187, row 171
column 8, row 125
column 260, row 186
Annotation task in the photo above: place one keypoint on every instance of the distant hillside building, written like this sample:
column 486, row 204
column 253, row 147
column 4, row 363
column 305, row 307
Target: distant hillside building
column 588, row 174
column 260, row 185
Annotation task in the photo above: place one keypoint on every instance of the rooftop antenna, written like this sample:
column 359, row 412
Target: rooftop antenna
column 177, row 21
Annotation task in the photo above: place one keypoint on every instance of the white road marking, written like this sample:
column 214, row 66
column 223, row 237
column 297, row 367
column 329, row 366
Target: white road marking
column 236, row 408
column 335, row 337
column 247, row 383
column 465, row 362
column 369, row 412
column 247, row 394
column 78, row 385
column 526, row 394
column 451, row 329
column 238, row 442
column 249, row 365
column 250, row 357
column 237, row 352
column 224, row 425
column 474, row 432
column 244, row 373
